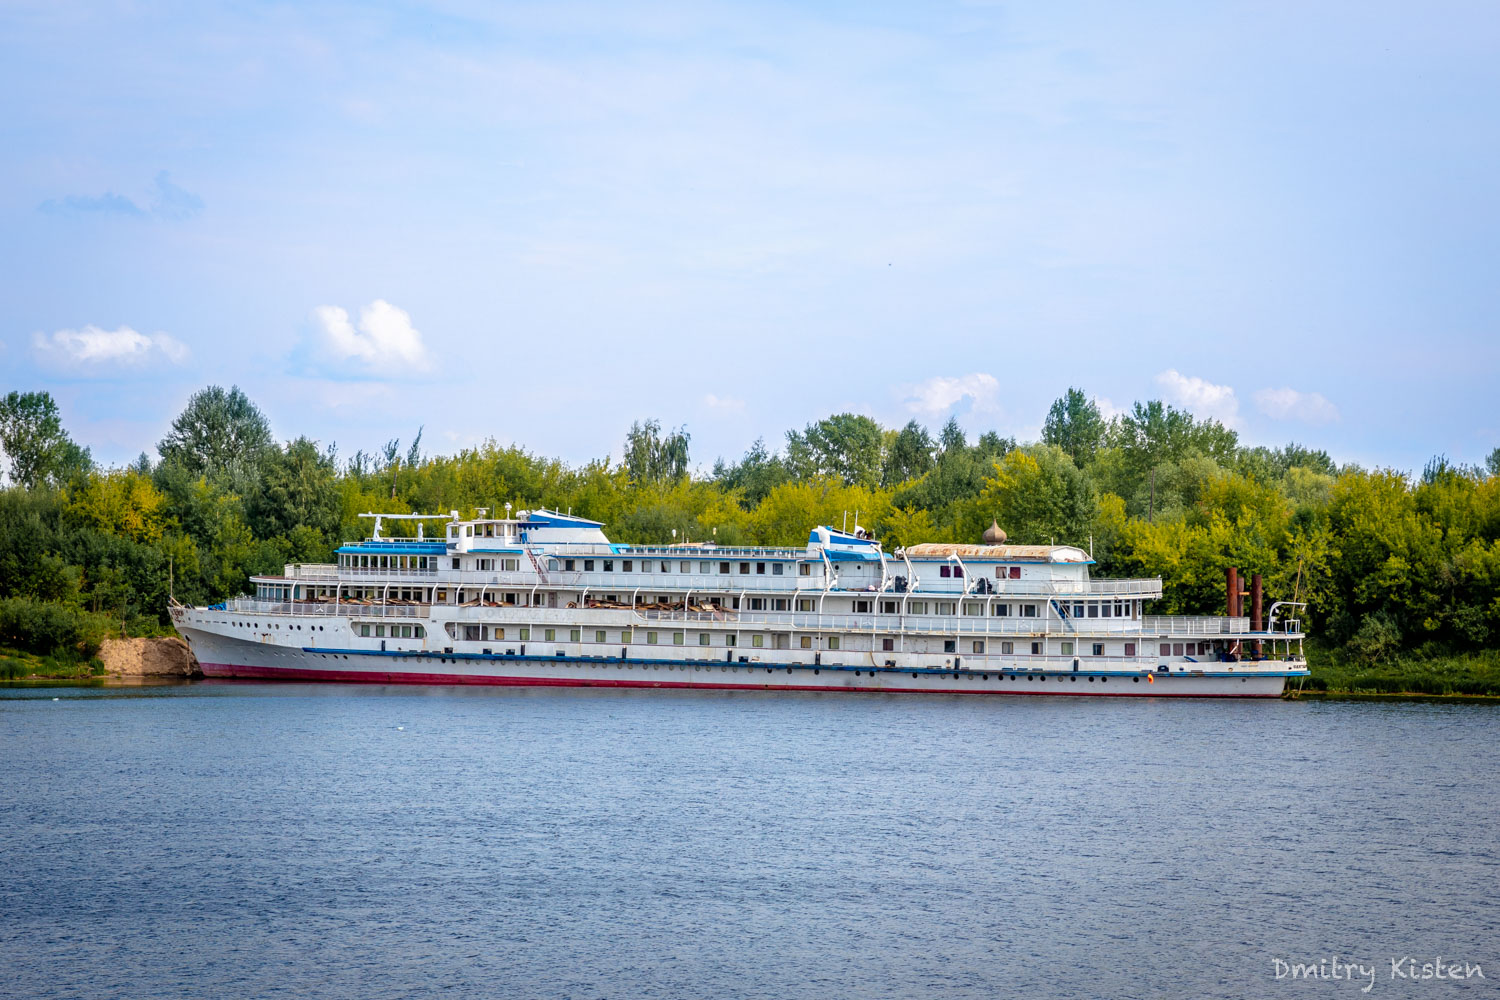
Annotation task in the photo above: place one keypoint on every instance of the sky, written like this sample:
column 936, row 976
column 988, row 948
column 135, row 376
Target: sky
column 538, row 223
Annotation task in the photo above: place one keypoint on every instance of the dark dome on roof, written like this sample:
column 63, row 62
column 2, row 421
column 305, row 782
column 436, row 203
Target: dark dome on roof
column 993, row 535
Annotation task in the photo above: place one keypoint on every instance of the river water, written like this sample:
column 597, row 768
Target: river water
column 250, row 840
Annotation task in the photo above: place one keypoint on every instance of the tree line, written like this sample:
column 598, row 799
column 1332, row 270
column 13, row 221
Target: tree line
column 1388, row 563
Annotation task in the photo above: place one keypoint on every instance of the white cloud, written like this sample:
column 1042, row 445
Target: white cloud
column 1289, row 404
column 1107, row 409
column 724, row 404
column 384, row 337
column 940, row 393
column 1200, row 397
column 94, row 350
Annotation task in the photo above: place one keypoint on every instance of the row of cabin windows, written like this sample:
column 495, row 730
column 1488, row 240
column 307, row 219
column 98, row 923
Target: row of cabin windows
column 1188, row 649
column 665, row 566
column 484, row 633
column 1099, row 609
column 367, row 630
column 1001, row 572
column 351, row 561
column 1008, row 647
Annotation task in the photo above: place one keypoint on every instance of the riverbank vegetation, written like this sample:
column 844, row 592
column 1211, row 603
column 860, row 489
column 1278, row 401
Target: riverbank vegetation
column 1400, row 573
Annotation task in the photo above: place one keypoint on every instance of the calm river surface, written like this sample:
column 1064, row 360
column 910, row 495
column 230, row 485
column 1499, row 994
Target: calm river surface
column 247, row 840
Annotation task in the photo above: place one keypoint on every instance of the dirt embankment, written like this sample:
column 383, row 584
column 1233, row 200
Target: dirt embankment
column 169, row 657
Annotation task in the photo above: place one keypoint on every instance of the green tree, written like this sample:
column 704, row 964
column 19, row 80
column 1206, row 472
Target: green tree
column 220, row 435
column 654, row 457
column 296, row 488
column 753, row 476
column 38, row 449
column 909, row 455
column 846, row 446
column 1040, row 496
column 1075, row 425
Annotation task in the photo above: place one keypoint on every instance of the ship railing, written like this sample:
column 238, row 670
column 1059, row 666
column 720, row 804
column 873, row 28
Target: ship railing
column 341, row 608
column 1193, row 625
column 966, row 625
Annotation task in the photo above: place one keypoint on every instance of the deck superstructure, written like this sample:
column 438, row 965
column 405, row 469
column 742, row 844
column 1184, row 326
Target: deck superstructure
column 544, row 598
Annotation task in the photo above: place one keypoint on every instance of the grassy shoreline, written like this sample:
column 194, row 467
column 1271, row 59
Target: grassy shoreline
column 1472, row 676
column 18, row 665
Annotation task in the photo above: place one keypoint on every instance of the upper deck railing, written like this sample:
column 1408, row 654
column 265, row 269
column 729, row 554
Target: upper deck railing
column 1148, row 627
column 599, row 582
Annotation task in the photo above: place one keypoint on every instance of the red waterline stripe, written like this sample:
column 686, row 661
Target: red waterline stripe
column 372, row 677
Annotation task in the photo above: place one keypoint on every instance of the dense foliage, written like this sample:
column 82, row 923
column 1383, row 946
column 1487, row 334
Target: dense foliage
column 1390, row 565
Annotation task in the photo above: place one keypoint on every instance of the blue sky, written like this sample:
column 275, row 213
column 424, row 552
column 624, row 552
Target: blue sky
column 541, row 222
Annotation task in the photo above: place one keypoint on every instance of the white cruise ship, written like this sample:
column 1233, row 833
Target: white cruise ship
column 545, row 598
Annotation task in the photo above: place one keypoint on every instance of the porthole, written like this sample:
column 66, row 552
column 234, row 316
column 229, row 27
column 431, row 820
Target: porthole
column 1104, row 680
column 1075, row 678
column 1136, row 679
column 1091, row 680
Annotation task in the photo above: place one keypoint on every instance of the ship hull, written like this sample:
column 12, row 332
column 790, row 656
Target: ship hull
column 354, row 666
